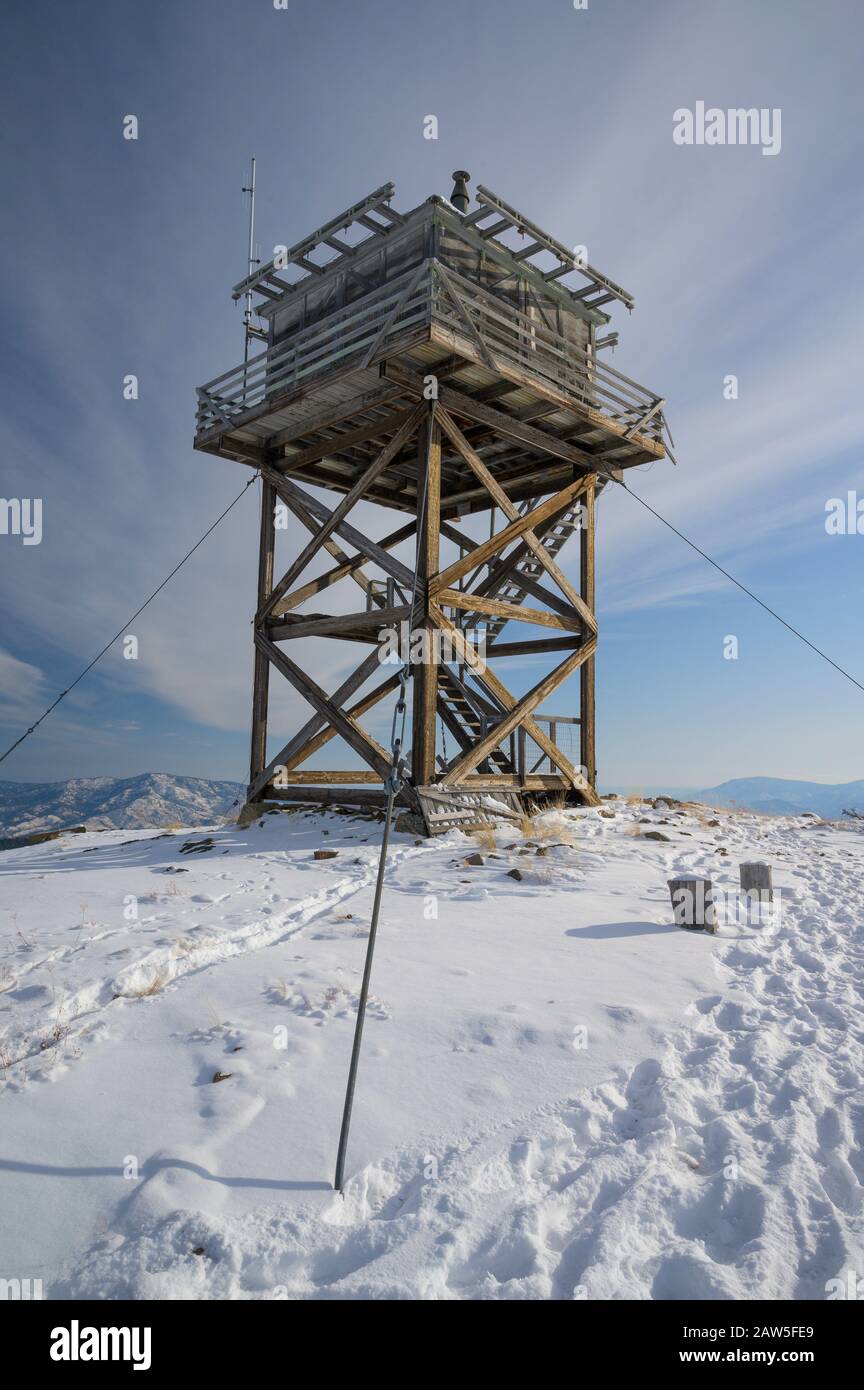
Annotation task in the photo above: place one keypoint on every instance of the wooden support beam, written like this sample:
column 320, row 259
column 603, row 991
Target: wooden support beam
column 371, row 429
column 349, row 566
column 531, row 648
column 324, row 778
column 299, row 747
column 408, row 427
column 346, row 725
column 356, row 571
column 261, row 674
column 361, row 626
column 515, row 531
column 290, row 492
column 425, row 676
column 503, row 568
column 518, row 711
column 501, row 499
column 587, row 676
column 320, row 740
column 303, row 794
column 456, row 402
column 498, row 608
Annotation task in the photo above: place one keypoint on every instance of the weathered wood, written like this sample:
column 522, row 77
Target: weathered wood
column 300, row 746
column 370, row 429
column 367, row 547
column 261, row 674
column 324, row 778
column 693, row 903
column 425, row 701
column 456, row 402
column 349, row 567
column 330, row 796
column 408, row 426
column 508, row 701
column 756, row 878
column 531, row 647
column 364, row 625
column 368, row 748
column 467, row 602
column 502, row 539
column 319, row 740
column 501, row 499
column 523, row 410
column 587, row 675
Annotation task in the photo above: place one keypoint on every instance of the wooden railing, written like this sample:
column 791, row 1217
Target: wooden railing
column 361, row 333
column 350, row 332
column 527, row 343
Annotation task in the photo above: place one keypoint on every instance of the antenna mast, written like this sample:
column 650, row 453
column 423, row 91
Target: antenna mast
column 252, row 261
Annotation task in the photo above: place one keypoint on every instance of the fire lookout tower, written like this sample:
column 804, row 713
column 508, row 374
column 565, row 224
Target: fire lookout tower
column 438, row 362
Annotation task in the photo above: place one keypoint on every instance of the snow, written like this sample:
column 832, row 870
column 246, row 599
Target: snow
column 561, row 1094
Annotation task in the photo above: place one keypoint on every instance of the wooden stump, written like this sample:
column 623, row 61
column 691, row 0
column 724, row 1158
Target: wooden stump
column 693, row 903
column 757, row 893
column 756, row 878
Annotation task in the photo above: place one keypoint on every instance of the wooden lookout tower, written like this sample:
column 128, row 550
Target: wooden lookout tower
column 439, row 363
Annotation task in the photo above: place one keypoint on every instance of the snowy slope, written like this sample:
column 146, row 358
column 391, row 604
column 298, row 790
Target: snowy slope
column 705, row 1141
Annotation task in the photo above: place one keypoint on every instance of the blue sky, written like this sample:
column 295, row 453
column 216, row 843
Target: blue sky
column 119, row 257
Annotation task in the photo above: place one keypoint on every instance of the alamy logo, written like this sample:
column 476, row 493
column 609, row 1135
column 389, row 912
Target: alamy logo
column 21, row 516
column 844, row 516
column 77, row 1343
column 17, row 1289
column 737, row 126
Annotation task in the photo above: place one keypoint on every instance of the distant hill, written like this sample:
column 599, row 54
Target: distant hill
column 114, row 803
column 779, row 796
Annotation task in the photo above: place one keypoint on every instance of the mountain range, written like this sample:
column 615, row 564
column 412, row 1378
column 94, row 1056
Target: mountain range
column 114, row 803
column 780, row 796
column 161, row 799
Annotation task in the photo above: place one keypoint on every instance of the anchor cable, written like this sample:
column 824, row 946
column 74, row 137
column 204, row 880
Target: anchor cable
column 395, row 781
column 126, row 625
column 739, row 585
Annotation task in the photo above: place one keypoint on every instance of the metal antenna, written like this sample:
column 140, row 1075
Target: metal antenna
column 252, row 261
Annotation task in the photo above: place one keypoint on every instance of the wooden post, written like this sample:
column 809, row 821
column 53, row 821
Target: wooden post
column 261, row 677
column 756, row 878
column 587, row 698
column 693, row 903
column 425, row 674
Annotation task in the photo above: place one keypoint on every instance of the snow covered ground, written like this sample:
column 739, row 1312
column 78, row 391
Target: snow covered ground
column 561, row 1094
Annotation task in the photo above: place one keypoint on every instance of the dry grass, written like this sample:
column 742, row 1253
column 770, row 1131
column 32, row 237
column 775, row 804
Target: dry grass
column 152, row 987
column 484, row 836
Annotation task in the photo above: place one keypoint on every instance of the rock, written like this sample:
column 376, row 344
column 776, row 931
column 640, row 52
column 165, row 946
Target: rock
column 713, row 824
column 473, row 859
column 221, row 1076
column 610, row 815
column 541, row 851
column 656, row 835
column 197, row 846
column 514, row 873
column 325, row 854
